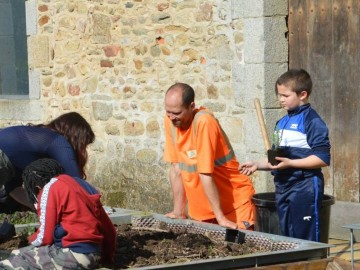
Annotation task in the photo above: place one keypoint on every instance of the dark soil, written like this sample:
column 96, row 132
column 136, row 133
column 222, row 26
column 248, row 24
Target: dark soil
column 138, row 247
column 14, row 243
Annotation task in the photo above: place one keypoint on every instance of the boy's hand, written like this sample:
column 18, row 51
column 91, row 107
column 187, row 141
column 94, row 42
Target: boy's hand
column 310, row 162
column 284, row 163
column 248, row 167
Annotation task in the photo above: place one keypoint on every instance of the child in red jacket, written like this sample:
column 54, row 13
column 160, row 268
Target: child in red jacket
column 74, row 233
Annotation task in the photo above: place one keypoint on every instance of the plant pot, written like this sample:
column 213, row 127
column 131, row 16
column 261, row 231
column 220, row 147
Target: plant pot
column 267, row 219
column 272, row 153
column 234, row 236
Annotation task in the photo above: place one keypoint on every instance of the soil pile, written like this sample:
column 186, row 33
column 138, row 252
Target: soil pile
column 138, row 247
column 14, row 243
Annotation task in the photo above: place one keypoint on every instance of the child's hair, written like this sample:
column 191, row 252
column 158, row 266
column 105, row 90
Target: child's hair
column 37, row 174
column 297, row 79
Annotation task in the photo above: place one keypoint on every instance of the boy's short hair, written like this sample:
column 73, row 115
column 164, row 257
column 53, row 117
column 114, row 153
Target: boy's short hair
column 297, row 79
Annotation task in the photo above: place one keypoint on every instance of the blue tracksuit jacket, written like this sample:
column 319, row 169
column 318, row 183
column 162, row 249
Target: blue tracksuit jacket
column 302, row 133
column 299, row 191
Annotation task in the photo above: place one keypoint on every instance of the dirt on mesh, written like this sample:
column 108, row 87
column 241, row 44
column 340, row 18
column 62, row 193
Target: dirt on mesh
column 139, row 247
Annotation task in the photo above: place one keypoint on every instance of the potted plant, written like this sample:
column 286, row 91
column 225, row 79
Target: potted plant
column 276, row 150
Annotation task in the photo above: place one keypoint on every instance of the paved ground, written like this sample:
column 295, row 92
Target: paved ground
column 342, row 251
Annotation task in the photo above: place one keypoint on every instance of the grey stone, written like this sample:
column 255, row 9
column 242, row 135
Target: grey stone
column 102, row 110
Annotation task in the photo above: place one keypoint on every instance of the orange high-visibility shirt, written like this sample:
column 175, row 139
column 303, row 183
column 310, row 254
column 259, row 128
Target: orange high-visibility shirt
column 204, row 148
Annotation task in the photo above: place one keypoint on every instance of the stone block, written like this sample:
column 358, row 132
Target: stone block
column 34, row 84
column 258, row 8
column 38, row 51
column 153, row 129
column 247, row 9
column 22, row 110
column 101, row 29
column 233, row 127
column 102, row 111
column 276, row 45
column 254, row 40
column 134, row 128
column 146, row 155
column 31, row 17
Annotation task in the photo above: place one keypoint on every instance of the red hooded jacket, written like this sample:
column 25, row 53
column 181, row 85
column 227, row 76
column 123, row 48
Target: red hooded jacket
column 71, row 216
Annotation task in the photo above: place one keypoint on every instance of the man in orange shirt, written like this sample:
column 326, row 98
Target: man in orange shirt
column 204, row 169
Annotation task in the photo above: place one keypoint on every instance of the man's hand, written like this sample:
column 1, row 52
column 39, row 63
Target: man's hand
column 175, row 216
column 227, row 223
column 178, row 191
column 212, row 194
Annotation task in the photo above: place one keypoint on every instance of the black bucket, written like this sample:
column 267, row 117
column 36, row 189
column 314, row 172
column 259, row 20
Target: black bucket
column 267, row 219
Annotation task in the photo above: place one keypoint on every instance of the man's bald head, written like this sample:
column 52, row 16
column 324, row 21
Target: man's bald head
column 187, row 92
column 179, row 105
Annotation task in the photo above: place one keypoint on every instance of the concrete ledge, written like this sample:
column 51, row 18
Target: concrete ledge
column 22, row 227
column 117, row 216
column 123, row 216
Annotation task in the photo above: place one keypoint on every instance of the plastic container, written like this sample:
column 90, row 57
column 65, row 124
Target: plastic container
column 267, row 219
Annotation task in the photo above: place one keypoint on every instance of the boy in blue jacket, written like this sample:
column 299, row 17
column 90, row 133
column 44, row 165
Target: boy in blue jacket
column 299, row 181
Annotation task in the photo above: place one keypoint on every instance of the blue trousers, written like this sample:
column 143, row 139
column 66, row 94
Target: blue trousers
column 298, row 207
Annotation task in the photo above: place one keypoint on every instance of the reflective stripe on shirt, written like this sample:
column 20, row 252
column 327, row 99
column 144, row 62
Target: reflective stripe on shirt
column 219, row 161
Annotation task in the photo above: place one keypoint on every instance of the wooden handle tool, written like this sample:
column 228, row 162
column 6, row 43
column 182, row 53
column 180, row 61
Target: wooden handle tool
column 262, row 123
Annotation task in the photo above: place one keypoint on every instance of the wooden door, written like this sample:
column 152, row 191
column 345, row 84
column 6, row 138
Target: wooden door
column 324, row 39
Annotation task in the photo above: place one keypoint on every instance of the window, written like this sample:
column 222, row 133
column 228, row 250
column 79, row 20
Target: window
column 14, row 77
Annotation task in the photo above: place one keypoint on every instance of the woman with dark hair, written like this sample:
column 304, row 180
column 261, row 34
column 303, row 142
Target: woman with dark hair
column 64, row 139
column 74, row 230
column 78, row 133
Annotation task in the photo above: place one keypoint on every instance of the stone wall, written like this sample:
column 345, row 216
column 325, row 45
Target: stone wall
column 113, row 60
